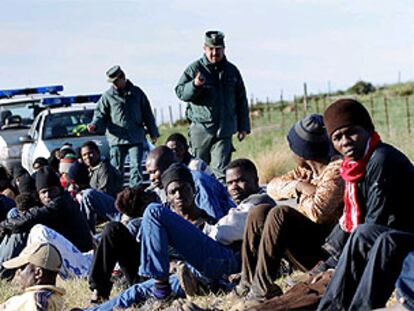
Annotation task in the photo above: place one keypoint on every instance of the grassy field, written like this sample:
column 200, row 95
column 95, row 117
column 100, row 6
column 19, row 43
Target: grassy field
column 267, row 147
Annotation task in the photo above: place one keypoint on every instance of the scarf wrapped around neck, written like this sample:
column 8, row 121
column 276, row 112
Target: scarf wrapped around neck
column 352, row 172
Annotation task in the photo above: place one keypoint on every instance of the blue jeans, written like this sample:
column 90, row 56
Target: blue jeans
column 137, row 293
column 162, row 227
column 96, row 203
column 367, row 269
column 118, row 154
column 10, row 247
column 405, row 282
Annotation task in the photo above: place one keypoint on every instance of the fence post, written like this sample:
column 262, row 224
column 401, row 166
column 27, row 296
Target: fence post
column 155, row 115
column 162, row 115
column 371, row 101
column 407, row 108
column 171, row 116
column 317, row 104
column 324, row 103
column 295, row 103
column 269, row 114
column 305, row 99
column 180, row 111
column 387, row 119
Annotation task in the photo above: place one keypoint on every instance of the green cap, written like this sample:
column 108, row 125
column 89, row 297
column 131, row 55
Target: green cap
column 114, row 73
column 214, row 39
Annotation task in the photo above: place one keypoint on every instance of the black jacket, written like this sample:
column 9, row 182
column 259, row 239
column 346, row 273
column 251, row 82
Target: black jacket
column 62, row 215
column 383, row 195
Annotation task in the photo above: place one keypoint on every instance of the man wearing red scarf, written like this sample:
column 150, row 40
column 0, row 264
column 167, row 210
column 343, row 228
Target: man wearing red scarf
column 378, row 178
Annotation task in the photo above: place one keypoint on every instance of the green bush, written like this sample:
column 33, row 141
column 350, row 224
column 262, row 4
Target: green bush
column 361, row 88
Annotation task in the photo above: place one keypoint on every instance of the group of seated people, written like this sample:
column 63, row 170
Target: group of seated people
column 343, row 207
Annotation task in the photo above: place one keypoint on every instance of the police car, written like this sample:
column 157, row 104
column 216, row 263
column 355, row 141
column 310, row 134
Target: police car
column 54, row 127
column 18, row 108
column 66, row 124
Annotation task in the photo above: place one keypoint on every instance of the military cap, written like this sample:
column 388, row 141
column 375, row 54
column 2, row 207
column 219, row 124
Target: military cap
column 214, row 39
column 114, row 73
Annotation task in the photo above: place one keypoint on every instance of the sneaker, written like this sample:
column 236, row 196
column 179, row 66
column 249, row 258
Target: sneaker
column 98, row 298
column 188, row 281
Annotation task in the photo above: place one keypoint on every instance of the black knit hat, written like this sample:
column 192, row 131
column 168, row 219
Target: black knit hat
column 26, row 184
column 346, row 112
column 79, row 173
column 308, row 138
column 175, row 172
column 45, row 178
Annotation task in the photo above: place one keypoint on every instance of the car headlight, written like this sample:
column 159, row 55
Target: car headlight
column 10, row 152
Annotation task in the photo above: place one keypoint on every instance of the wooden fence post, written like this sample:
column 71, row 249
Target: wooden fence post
column 387, row 119
column 317, row 104
column 269, row 114
column 295, row 103
column 162, row 115
column 180, row 111
column 371, row 101
column 171, row 116
column 155, row 115
column 407, row 108
column 305, row 99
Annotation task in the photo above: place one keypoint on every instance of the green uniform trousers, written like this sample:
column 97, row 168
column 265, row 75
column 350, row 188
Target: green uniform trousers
column 213, row 150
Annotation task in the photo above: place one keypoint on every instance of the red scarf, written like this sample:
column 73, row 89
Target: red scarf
column 352, row 172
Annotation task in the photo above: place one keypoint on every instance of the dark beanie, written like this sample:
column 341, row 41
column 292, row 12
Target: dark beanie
column 308, row 138
column 346, row 112
column 26, row 184
column 19, row 171
column 45, row 178
column 79, row 173
column 175, row 172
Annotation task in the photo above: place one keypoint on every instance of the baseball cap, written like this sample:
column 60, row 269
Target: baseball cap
column 43, row 255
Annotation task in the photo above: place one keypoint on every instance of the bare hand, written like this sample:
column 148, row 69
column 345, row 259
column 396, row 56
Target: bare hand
column 199, row 80
column 154, row 140
column 91, row 128
column 241, row 135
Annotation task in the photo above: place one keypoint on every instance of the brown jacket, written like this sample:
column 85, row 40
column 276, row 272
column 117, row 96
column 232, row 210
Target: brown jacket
column 325, row 205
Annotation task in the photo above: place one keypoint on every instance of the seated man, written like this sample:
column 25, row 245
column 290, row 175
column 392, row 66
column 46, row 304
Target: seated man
column 377, row 176
column 210, row 194
column 214, row 250
column 59, row 212
column 105, row 181
column 296, row 233
column 119, row 245
column 368, row 268
column 38, row 265
column 104, row 177
column 179, row 145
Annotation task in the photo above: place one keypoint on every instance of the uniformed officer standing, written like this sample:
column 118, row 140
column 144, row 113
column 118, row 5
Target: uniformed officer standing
column 217, row 104
column 125, row 113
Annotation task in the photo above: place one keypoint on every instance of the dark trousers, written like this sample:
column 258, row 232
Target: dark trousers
column 117, row 245
column 273, row 233
column 367, row 269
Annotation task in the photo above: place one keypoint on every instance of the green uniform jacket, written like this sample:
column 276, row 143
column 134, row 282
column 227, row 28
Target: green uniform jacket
column 220, row 105
column 125, row 115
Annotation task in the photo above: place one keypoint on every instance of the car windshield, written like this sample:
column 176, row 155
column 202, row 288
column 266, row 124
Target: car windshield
column 16, row 116
column 68, row 124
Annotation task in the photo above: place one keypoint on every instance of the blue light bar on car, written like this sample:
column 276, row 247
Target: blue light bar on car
column 54, row 89
column 69, row 100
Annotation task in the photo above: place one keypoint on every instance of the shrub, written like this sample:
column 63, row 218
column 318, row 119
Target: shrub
column 361, row 88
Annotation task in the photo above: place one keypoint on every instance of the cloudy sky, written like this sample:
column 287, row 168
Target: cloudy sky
column 277, row 44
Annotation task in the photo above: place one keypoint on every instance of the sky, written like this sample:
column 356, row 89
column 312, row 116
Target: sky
column 276, row 44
